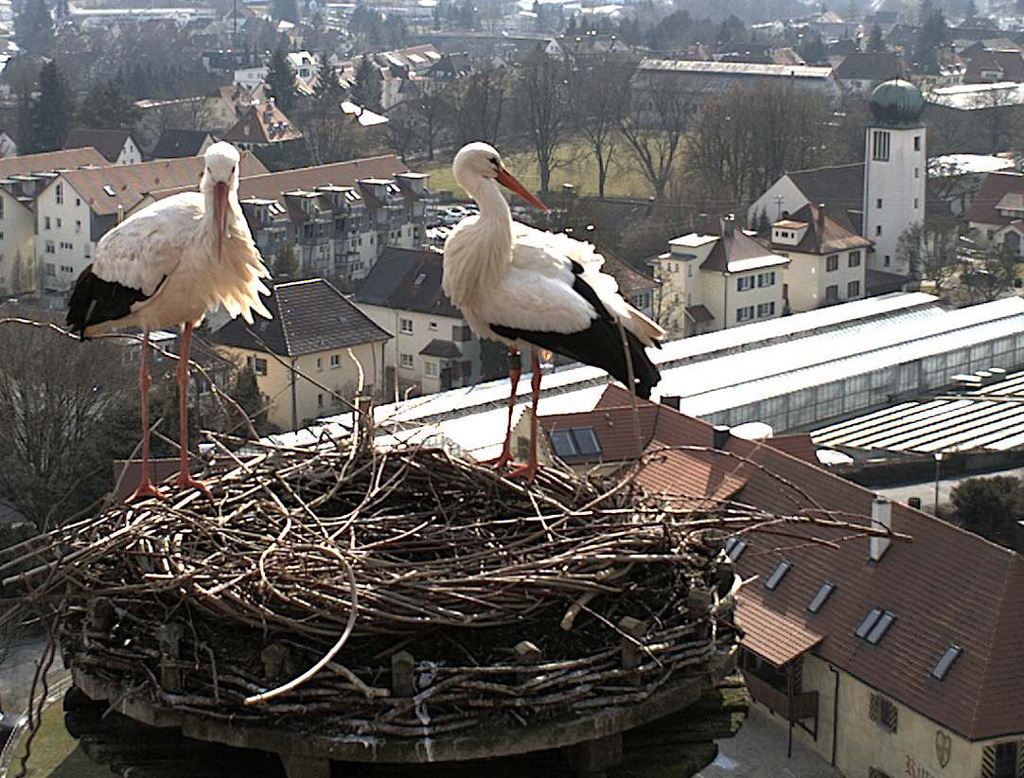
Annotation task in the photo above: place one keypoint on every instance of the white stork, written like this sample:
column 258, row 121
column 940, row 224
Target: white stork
column 525, row 287
column 168, row 265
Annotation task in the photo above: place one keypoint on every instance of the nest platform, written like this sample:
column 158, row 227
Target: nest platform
column 354, row 604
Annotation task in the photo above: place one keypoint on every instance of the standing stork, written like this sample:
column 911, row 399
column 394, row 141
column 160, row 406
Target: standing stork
column 525, row 287
column 168, row 265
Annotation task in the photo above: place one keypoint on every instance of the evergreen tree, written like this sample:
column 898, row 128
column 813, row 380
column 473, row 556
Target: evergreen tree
column 281, row 80
column 108, row 107
column 764, row 224
column 34, row 28
column 875, row 41
column 328, row 90
column 813, row 49
column 286, row 266
column 934, row 32
column 971, row 11
column 53, row 113
column 366, row 90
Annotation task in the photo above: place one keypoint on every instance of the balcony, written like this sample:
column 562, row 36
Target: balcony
column 800, row 706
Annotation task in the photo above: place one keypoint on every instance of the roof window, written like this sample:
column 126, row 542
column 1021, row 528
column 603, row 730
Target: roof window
column 781, row 569
column 109, row 190
column 819, row 599
column 420, row 279
column 575, row 442
column 734, row 547
column 946, row 661
column 875, row 625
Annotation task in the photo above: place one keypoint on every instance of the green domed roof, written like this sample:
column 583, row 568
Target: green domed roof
column 897, row 103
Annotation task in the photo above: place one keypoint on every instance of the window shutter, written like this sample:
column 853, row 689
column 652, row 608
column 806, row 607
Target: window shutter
column 988, row 762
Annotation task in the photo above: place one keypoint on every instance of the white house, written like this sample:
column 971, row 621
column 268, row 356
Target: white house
column 117, row 146
column 714, row 282
column 996, row 214
column 827, row 259
column 432, row 348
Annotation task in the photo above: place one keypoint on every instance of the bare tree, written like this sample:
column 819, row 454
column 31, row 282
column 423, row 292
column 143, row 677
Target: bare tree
column 541, row 97
column 990, row 275
column 425, row 116
column 930, row 250
column 480, row 105
column 653, row 123
column 596, row 93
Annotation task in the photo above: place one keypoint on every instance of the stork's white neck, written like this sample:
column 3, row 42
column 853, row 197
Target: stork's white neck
column 477, row 257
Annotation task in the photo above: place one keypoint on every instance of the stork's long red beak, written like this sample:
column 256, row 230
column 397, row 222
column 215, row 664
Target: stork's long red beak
column 220, row 213
column 509, row 181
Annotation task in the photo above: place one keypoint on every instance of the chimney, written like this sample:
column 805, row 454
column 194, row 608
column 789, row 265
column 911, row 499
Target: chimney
column 821, row 216
column 881, row 518
column 728, row 226
column 720, row 437
column 671, row 400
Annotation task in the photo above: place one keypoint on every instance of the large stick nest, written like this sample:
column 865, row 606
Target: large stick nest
column 296, row 591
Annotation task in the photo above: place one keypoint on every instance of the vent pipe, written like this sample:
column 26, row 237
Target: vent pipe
column 881, row 518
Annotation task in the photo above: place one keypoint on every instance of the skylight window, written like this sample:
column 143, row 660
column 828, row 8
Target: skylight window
column 734, row 547
column 868, row 623
column 880, row 628
column 946, row 661
column 819, row 599
column 109, row 190
column 776, row 576
column 420, row 279
column 575, row 442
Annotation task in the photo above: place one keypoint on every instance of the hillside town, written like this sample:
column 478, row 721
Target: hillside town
column 814, row 220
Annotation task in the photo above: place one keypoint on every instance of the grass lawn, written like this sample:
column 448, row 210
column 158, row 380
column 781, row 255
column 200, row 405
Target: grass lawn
column 55, row 754
column 580, row 170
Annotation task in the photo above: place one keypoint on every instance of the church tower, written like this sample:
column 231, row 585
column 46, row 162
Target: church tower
column 895, row 171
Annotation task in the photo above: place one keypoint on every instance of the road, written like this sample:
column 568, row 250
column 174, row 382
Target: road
column 17, row 668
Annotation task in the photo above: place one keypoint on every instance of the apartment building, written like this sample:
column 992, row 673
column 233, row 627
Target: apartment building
column 75, row 208
column 21, row 178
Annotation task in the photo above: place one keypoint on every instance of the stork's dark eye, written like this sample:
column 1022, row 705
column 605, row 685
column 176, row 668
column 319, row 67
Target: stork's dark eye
column 494, row 160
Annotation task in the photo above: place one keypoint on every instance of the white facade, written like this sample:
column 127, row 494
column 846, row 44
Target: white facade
column 251, row 78
column 895, row 173
column 130, row 153
column 412, row 332
column 17, row 244
column 63, row 240
column 782, row 197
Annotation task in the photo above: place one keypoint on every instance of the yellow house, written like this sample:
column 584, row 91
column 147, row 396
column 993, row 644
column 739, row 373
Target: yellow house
column 309, row 357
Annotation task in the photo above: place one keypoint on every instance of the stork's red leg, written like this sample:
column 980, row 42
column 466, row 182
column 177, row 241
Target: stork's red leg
column 185, row 479
column 529, row 470
column 514, row 372
column 145, row 487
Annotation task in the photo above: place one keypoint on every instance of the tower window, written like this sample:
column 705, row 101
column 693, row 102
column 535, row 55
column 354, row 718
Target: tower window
column 878, row 230
column 917, row 143
column 879, row 203
column 880, row 150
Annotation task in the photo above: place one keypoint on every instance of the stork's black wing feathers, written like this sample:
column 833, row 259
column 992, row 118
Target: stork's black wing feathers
column 94, row 301
column 600, row 345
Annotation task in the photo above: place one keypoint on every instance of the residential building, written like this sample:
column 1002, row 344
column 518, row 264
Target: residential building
column 75, row 208
column 828, row 260
column 8, row 147
column 308, row 359
column 117, row 146
column 338, row 218
column 996, row 215
column 977, row 118
column 888, row 656
column 880, row 197
column 993, row 67
column 432, row 349
column 714, row 282
column 640, row 289
column 21, row 178
column 262, row 124
column 174, row 144
column 956, row 179
column 860, row 72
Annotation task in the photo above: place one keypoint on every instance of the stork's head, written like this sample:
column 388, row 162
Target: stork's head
column 220, row 178
column 478, row 161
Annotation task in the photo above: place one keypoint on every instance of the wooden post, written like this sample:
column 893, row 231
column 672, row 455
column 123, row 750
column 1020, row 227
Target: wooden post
column 527, row 656
column 169, row 637
column 403, row 674
column 636, row 629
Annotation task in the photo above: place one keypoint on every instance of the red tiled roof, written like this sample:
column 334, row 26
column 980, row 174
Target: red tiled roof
column 945, row 586
column 47, row 162
column 262, row 124
column 774, row 636
column 800, row 446
column 109, row 143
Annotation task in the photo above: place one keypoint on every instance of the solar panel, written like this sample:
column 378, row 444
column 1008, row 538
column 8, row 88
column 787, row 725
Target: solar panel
column 946, row 661
column 880, row 628
column 868, row 623
column 776, row 576
column 819, row 599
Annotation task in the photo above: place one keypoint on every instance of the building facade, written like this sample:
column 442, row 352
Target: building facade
column 714, row 282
